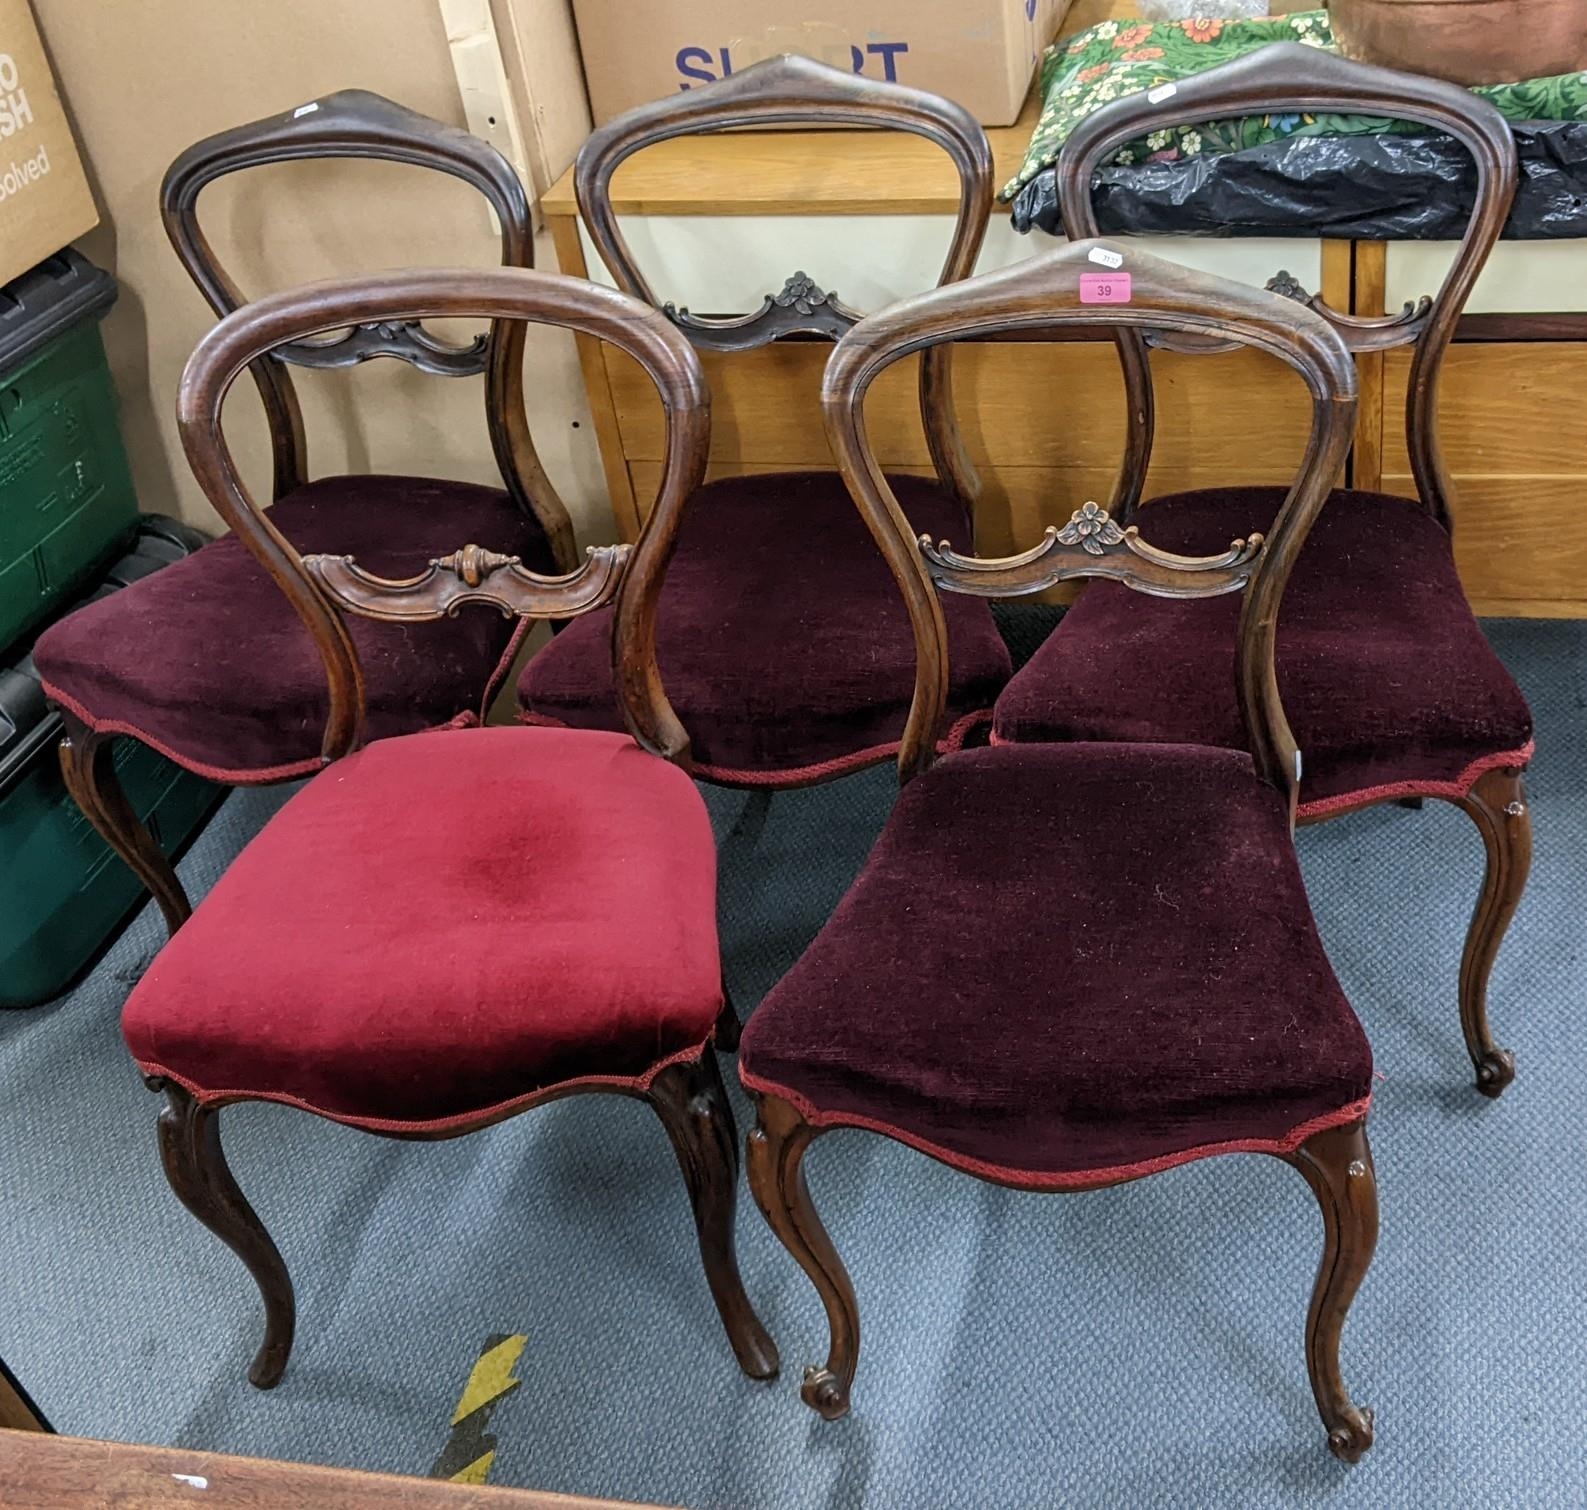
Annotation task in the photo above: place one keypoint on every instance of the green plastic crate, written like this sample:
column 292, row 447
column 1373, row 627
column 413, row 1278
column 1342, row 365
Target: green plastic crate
column 67, row 505
column 64, row 895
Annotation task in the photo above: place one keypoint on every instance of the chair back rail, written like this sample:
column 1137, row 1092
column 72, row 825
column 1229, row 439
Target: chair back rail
column 1046, row 292
column 322, row 587
column 796, row 91
column 1287, row 76
column 354, row 123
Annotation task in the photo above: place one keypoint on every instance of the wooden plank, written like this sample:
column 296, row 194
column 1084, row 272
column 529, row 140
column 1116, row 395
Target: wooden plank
column 1375, row 415
column 1538, row 327
column 1046, row 404
column 1338, row 273
column 592, row 363
column 67, row 1473
column 812, row 172
column 1528, row 608
column 1519, row 540
column 1503, row 410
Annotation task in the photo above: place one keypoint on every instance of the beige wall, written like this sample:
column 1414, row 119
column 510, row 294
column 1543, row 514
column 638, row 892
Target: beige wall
column 143, row 79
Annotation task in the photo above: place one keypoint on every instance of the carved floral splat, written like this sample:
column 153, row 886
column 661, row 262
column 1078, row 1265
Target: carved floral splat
column 1091, row 529
column 1285, row 284
column 1104, row 550
column 802, row 307
column 405, row 340
column 801, row 292
column 471, row 575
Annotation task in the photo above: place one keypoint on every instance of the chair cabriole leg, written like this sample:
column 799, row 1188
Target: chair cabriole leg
column 1498, row 805
column 777, row 1145
column 196, row 1167
column 88, row 765
column 692, row 1103
column 1337, row 1165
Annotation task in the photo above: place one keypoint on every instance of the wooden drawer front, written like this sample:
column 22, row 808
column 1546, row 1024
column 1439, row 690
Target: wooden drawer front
column 1514, row 434
column 1044, row 421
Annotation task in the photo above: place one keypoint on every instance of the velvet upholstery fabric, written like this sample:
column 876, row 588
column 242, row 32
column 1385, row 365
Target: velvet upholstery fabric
column 783, row 641
column 1385, row 674
column 1063, row 961
column 443, row 924
column 207, row 661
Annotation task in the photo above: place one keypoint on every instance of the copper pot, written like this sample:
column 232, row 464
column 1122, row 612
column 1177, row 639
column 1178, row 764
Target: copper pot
column 1469, row 41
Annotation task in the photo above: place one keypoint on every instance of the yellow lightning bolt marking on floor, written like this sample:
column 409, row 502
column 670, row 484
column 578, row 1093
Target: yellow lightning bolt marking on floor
column 470, row 1450
column 492, row 1376
column 477, row 1472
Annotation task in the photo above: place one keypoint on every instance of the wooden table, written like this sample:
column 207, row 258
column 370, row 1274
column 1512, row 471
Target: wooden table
column 719, row 221
column 41, row 1472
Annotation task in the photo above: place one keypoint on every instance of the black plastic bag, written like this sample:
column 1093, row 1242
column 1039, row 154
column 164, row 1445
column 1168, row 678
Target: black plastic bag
column 1370, row 188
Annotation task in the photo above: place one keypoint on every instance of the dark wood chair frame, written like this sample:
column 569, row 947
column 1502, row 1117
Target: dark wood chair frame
column 796, row 91
column 1288, row 76
column 1044, row 292
column 688, row 1097
column 352, row 123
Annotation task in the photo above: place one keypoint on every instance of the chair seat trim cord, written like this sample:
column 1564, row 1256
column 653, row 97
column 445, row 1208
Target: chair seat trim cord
column 1053, row 1180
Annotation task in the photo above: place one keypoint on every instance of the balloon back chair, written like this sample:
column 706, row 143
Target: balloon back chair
column 1394, row 692
column 784, row 645
column 446, row 928
column 1069, row 965
column 205, row 661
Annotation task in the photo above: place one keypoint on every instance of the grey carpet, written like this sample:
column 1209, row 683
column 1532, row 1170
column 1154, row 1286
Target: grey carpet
column 1137, row 1346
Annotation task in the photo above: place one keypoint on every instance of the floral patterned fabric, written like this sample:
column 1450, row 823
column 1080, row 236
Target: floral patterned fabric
column 1117, row 58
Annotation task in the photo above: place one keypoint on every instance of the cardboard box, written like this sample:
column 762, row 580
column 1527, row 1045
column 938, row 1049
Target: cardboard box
column 44, row 197
column 981, row 53
column 540, row 51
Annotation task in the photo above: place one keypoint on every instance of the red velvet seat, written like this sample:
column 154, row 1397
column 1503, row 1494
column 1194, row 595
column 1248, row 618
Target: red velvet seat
column 401, row 974
column 1389, row 685
column 783, row 642
column 1068, row 963
column 209, row 663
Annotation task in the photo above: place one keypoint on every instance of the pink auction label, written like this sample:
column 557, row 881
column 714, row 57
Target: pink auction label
column 1104, row 288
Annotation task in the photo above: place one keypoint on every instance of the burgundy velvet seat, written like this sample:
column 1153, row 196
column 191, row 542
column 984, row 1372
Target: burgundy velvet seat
column 208, row 662
column 1390, row 687
column 784, row 645
column 559, row 926
column 1069, row 963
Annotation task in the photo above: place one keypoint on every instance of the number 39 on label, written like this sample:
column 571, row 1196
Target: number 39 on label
column 1104, row 288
